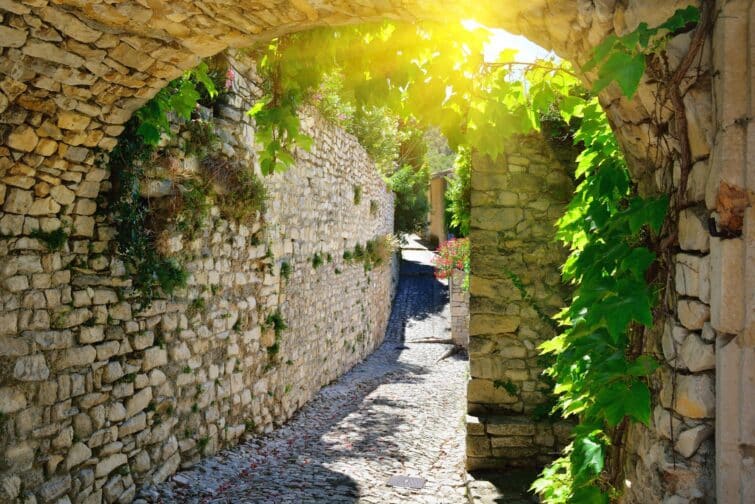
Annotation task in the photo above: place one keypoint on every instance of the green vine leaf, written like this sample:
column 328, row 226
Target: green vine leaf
column 624, row 68
column 587, row 458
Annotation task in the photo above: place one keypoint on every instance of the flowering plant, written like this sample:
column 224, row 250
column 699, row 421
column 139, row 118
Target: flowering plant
column 452, row 255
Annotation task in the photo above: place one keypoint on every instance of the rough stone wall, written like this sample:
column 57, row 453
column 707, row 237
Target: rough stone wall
column 73, row 71
column 516, row 201
column 98, row 398
column 459, row 309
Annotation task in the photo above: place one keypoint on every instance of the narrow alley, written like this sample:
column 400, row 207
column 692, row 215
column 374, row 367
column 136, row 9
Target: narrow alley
column 398, row 413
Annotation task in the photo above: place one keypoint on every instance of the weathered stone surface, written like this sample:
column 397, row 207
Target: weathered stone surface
column 18, row 201
column 138, row 402
column 31, row 368
column 693, row 231
column 695, row 396
column 78, row 356
column 697, row 355
column 108, row 464
column 72, row 121
column 77, row 454
column 692, row 276
column 689, row 441
column 153, row 357
column 23, row 139
column 11, row 400
column 693, row 314
column 70, row 25
column 11, row 37
column 55, row 488
column 727, row 285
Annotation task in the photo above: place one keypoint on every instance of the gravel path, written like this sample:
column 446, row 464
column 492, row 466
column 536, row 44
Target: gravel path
column 400, row 412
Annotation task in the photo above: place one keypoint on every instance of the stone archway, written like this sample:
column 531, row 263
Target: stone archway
column 73, row 72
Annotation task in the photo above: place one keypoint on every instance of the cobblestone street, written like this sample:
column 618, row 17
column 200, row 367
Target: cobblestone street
column 400, row 412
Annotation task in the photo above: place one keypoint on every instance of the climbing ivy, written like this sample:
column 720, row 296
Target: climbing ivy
column 599, row 370
column 153, row 275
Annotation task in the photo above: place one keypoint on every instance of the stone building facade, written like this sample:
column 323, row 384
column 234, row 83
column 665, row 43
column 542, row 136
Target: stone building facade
column 98, row 397
column 72, row 72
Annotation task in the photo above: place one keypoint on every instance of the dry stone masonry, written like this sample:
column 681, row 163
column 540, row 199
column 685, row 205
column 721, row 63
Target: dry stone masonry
column 516, row 201
column 98, row 397
column 72, row 72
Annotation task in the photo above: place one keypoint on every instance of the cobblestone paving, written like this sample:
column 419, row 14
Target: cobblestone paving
column 400, row 412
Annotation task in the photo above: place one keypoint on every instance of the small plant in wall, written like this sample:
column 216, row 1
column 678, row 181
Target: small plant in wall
column 357, row 194
column 276, row 322
column 55, row 240
column 506, row 385
column 317, row 260
column 286, row 270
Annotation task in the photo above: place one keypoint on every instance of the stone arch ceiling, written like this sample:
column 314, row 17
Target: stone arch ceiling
column 96, row 62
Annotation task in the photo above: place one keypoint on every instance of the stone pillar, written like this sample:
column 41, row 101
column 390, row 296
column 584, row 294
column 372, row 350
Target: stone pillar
column 729, row 196
column 516, row 201
column 459, row 309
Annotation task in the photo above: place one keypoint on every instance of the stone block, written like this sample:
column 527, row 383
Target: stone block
column 727, row 290
column 11, row 37
column 693, row 230
column 692, row 314
column 511, row 442
column 77, row 454
column 11, row 400
column 484, row 391
column 54, row 488
column 138, row 402
column 697, row 355
column 23, row 139
column 692, row 276
column 31, row 368
column 492, row 324
column 691, row 439
column 18, row 201
column 695, row 396
column 108, row 464
column 478, row 446
column 74, row 357
column 153, row 357
column 510, row 426
column 134, row 424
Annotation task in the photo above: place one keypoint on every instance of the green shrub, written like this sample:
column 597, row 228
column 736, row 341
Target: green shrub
column 242, row 193
column 459, row 195
column 192, row 206
column 200, row 139
column 410, row 187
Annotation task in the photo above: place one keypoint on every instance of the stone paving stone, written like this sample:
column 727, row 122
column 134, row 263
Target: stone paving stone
column 400, row 412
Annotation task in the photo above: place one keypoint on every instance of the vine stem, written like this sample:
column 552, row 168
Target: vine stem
column 531, row 65
column 675, row 96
